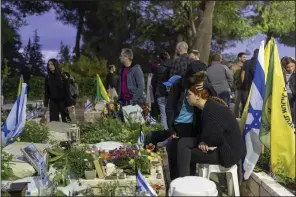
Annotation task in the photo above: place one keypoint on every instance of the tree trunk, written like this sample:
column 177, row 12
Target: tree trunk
column 204, row 32
column 79, row 33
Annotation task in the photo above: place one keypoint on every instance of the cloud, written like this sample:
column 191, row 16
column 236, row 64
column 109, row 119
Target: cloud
column 50, row 30
column 47, row 54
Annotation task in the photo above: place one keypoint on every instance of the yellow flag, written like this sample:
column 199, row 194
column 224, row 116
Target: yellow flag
column 277, row 129
column 101, row 91
column 20, row 85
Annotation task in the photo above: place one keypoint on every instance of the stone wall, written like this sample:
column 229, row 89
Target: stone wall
column 261, row 184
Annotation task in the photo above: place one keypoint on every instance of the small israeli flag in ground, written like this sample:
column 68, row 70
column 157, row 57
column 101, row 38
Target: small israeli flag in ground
column 140, row 140
column 16, row 119
column 87, row 106
column 143, row 185
column 34, row 113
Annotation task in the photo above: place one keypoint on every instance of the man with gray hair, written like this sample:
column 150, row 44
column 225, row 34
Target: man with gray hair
column 180, row 64
column 220, row 77
column 131, row 80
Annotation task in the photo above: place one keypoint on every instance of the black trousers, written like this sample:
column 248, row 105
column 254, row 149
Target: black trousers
column 189, row 154
column 57, row 107
column 292, row 106
column 156, row 136
column 182, row 130
column 244, row 98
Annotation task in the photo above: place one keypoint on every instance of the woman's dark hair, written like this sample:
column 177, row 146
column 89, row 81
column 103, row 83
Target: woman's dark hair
column 163, row 55
column 56, row 65
column 196, row 85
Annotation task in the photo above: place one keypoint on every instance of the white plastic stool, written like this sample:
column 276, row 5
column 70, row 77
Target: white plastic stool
column 206, row 171
column 192, row 186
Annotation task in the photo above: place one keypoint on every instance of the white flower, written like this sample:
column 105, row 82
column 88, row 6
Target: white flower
column 85, row 160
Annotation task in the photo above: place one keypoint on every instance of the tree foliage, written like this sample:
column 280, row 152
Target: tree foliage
column 13, row 13
column 64, row 55
column 32, row 55
column 276, row 19
column 11, row 44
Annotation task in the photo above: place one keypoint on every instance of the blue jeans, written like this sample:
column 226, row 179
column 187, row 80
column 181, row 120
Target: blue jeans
column 161, row 103
column 225, row 96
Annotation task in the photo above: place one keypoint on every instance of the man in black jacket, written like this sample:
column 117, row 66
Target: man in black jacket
column 183, row 120
column 247, row 76
column 161, row 75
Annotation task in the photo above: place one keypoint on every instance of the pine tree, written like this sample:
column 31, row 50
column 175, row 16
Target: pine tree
column 26, row 52
column 32, row 54
column 64, row 54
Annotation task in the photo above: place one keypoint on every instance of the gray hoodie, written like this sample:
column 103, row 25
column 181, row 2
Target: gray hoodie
column 135, row 83
column 220, row 76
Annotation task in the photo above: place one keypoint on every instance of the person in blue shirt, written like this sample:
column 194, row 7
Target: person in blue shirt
column 183, row 120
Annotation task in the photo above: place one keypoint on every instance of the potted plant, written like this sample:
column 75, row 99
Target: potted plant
column 89, row 173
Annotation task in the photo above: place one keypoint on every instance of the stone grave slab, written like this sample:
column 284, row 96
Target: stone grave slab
column 20, row 166
column 92, row 116
column 15, row 148
column 58, row 131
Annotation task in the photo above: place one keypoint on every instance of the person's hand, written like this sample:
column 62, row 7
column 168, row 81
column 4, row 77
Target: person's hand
column 202, row 146
column 174, row 136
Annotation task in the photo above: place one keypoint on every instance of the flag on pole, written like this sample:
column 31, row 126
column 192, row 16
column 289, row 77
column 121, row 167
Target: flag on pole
column 279, row 136
column 20, row 85
column 253, row 117
column 87, row 105
column 143, row 185
column 16, row 119
column 101, row 91
column 140, row 140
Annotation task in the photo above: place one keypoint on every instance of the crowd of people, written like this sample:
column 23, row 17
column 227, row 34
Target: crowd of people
column 193, row 100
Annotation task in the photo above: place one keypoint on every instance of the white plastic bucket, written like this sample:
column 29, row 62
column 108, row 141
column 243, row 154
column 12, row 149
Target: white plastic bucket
column 192, row 186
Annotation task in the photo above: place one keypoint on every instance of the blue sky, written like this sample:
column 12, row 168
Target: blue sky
column 52, row 32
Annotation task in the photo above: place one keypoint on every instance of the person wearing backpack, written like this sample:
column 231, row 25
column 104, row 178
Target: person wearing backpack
column 161, row 75
column 57, row 92
column 74, row 92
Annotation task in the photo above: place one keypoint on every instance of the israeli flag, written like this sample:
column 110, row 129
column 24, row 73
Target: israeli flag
column 252, row 126
column 140, row 140
column 143, row 185
column 87, row 106
column 16, row 119
column 34, row 113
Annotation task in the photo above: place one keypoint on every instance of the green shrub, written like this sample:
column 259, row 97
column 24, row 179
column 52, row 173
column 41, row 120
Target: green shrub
column 70, row 161
column 109, row 129
column 6, row 170
column 87, row 87
column 76, row 161
column 34, row 132
column 36, row 88
column 10, row 88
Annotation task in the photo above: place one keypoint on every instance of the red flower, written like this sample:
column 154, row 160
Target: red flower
column 150, row 147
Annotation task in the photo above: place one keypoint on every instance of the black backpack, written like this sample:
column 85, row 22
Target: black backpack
column 73, row 87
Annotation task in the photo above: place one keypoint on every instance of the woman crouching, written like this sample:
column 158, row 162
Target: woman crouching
column 219, row 141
